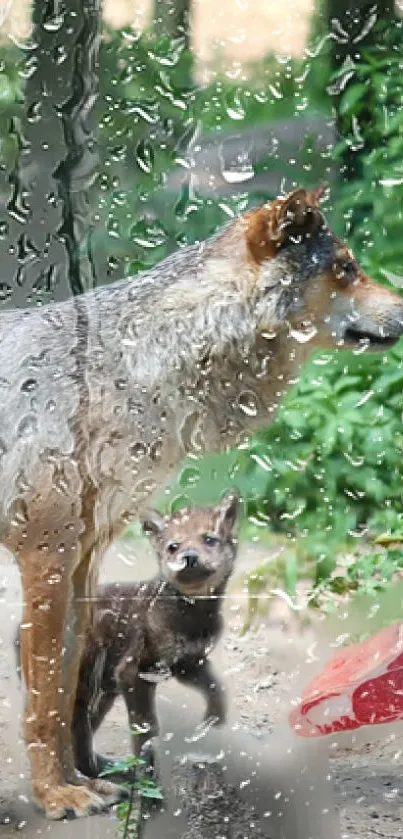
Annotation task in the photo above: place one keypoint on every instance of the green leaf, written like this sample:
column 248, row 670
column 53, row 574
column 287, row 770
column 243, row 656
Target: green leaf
column 355, row 93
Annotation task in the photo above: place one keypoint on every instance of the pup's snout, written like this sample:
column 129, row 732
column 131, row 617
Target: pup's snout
column 191, row 558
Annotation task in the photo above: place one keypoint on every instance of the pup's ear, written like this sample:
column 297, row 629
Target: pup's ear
column 153, row 524
column 226, row 512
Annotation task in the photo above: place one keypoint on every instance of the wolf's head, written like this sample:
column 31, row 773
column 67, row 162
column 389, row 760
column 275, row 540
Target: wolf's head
column 319, row 289
column 196, row 548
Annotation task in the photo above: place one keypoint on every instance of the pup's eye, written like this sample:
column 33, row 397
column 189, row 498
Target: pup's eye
column 210, row 541
column 172, row 547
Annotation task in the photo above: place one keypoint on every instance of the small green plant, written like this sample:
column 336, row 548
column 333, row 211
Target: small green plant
column 140, row 788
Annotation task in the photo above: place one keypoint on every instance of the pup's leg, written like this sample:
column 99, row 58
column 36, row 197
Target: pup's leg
column 47, row 590
column 202, row 677
column 139, row 696
column 85, row 724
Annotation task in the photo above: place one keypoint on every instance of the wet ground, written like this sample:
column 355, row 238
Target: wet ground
column 263, row 670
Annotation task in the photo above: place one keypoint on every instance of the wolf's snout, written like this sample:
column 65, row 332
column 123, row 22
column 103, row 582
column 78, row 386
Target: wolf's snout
column 376, row 317
column 191, row 559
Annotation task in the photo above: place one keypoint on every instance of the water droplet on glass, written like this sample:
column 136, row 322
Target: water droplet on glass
column 34, row 112
column 294, row 515
column 54, row 22
column 55, row 579
column 234, row 107
column 236, row 166
column 341, row 83
column 156, row 449
column 275, row 92
column 137, row 451
column 28, row 385
column 247, row 403
column 355, row 461
column 60, row 54
column 145, row 156
column 364, row 398
column 148, row 234
column 27, row 426
column 6, row 292
column 392, row 182
column 304, row 333
column 322, row 360
column 20, row 512
column 262, row 460
column 121, row 384
column 189, row 477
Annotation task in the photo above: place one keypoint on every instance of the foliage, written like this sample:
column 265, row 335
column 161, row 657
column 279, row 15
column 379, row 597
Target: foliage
column 371, row 122
column 11, row 98
column 333, row 456
column 148, row 122
column 141, row 789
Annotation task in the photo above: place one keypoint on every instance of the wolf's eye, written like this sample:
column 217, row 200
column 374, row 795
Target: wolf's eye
column 345, row 271
column 347, row 267
column 210, row 541
column 172, row 547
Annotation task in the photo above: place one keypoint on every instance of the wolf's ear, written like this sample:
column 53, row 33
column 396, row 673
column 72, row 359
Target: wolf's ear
column 295, row 215
column 226, row 512
column 316, row 194
column 284, row 219
column 153, row 524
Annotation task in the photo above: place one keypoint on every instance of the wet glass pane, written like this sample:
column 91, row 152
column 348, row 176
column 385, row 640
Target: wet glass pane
column 201, row 418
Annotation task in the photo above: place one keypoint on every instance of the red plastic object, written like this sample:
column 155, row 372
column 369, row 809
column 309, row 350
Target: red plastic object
column 361, row 685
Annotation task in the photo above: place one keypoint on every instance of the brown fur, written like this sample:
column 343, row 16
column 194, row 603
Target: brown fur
column 103, row 395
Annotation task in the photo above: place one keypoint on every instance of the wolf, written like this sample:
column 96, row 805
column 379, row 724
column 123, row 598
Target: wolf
column 102, row 396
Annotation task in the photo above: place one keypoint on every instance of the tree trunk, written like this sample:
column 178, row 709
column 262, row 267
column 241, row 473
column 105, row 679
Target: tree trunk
column 48, row 208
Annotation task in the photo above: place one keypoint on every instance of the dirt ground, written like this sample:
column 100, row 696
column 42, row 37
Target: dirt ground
column 263, row 669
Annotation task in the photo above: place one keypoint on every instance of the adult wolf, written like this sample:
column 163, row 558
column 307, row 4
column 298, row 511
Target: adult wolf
column 102, row 395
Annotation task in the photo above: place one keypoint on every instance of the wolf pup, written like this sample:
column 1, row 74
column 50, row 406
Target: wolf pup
column 103, row 395
column 168, row 624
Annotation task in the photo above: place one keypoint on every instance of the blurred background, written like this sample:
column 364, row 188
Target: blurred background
column 206, row 109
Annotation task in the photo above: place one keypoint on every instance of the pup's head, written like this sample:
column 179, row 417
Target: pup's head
column 196, row 548
column 316, row 284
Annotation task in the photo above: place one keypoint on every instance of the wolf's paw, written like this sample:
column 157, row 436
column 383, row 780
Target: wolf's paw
column 68, row 801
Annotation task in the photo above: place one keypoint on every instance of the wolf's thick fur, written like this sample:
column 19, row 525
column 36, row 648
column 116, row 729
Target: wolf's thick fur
column 102, row 395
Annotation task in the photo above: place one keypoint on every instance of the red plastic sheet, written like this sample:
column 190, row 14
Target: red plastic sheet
column 361, row 685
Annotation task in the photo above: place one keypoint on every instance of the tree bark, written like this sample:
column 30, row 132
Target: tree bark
column 48, row 207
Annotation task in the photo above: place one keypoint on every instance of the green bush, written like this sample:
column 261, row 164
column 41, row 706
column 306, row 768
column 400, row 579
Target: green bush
column 371, row 125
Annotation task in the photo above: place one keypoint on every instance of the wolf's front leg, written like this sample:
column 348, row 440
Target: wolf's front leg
column 47, row 591
column 77, row 741
column 201, row 676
